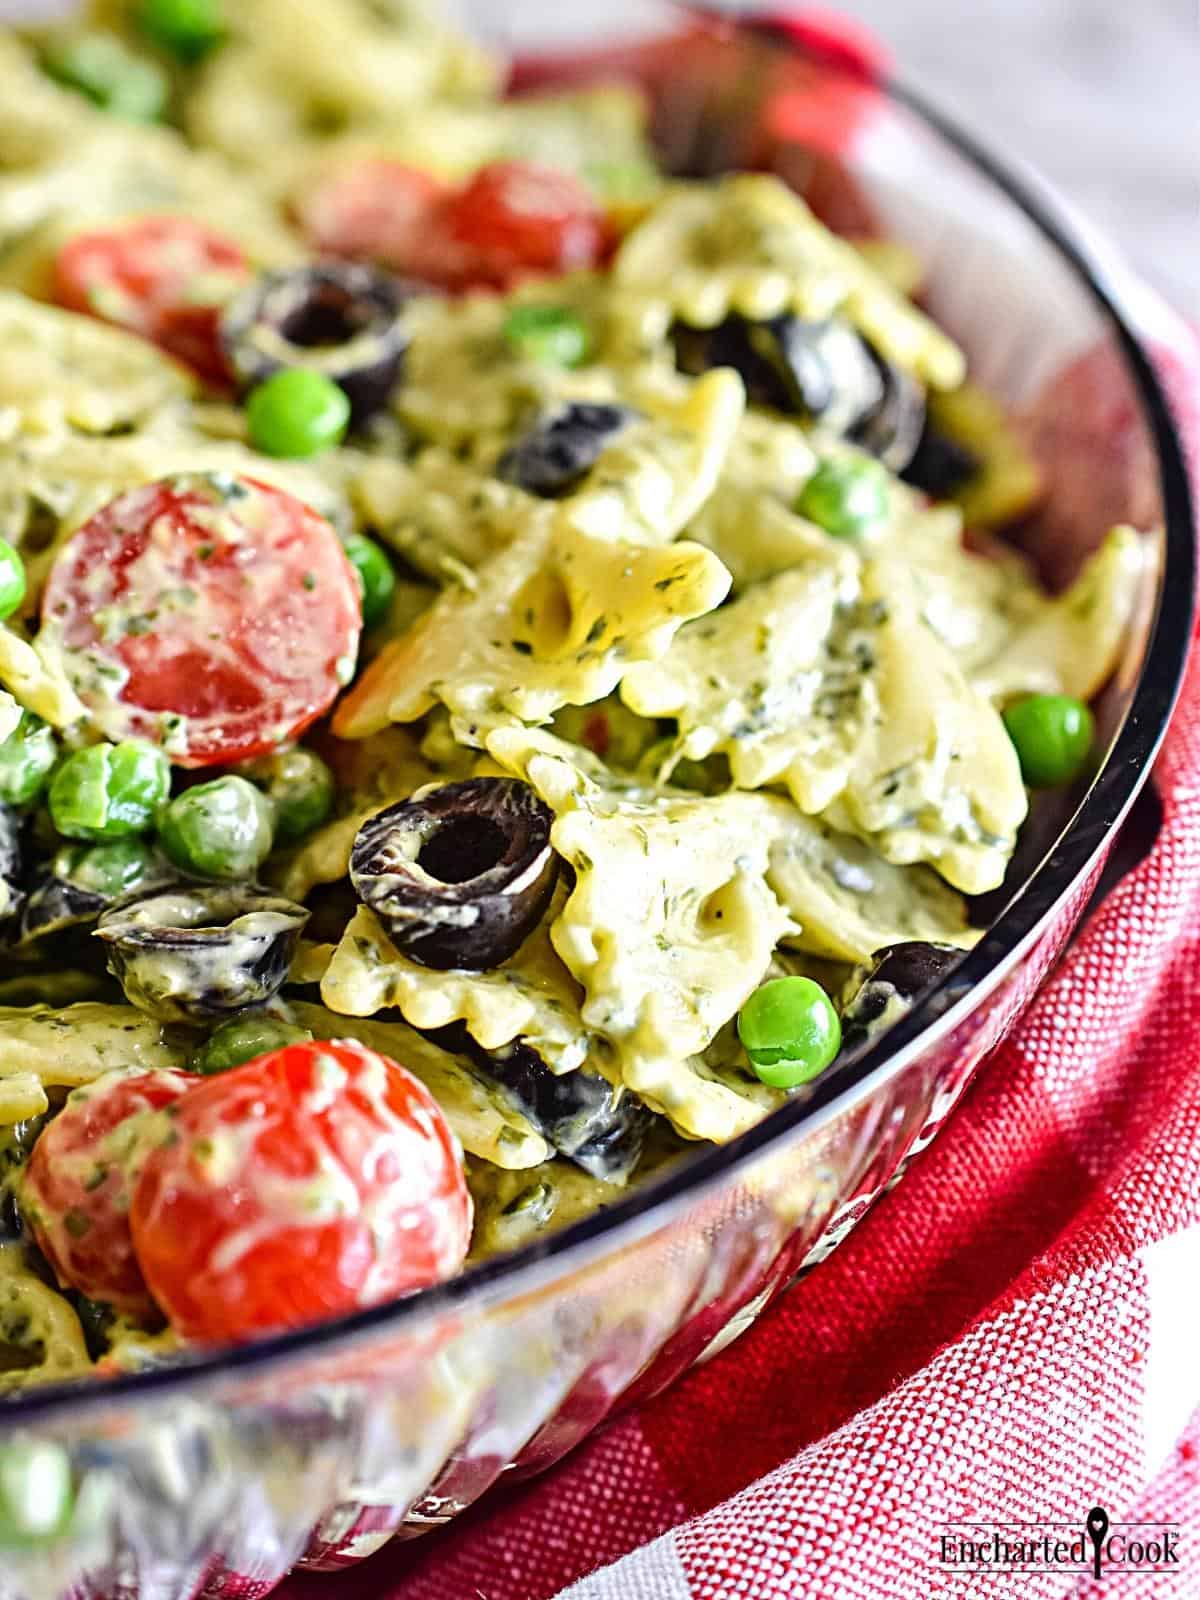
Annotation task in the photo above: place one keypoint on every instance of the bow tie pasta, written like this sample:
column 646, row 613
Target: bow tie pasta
column 826, row 680
column 589, row 587
column 531, row 996
column 746, row 244
column 670, row 924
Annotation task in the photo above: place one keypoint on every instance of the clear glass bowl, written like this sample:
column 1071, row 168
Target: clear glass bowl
column 217, row 1477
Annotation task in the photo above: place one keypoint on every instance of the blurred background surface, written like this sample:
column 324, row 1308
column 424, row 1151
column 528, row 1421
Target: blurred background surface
column 1102, row 96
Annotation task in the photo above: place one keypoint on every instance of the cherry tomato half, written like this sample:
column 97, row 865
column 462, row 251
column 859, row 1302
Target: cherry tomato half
column 514, row 220
column 313, row 1181
column 374, row 209
column 165, row 278
column 76, row 1189
column 213, row 615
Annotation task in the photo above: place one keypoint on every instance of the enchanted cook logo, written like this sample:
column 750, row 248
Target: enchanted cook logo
column 1108, row 1548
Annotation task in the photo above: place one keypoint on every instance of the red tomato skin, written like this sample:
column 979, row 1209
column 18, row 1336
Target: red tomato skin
column 374, row 209
column 311, row 1182
column 75, row 1192
column 144, row 276
column 514, row 220
column 256, row 654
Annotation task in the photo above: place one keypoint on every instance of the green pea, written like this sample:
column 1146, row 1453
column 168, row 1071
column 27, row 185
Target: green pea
column 299, row 786
column 189, row 29
column 12, row 580
column 26, row 758
column 110, row 869
column 109, row 790
column 790, row 1031
column 36, row 1493
column 1053, row 735
column 220, row 829
column 297, row 412
column 845, row 496
column 243, row 1039
column 552, row 335
column 375, row 576
column 99, row 66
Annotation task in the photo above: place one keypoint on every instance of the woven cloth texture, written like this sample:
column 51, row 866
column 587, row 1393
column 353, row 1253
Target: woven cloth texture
column 1011, row 1335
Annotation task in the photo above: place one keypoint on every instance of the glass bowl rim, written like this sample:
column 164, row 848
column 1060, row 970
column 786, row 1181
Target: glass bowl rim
column 648, row 1208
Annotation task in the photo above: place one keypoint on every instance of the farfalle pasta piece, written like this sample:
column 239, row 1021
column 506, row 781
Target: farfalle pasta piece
column 63, row 1048
column 769, row 681
column 556, row 619
column 531, row 996
column 972, row 600
column 840, row 691
column 747, row 244
column 61, row 372
column 441, row 515
column 486, row 1122
column 668, row 928
column 657, row 473
column 1071, row 644
column 748, row 520
column 848, row 902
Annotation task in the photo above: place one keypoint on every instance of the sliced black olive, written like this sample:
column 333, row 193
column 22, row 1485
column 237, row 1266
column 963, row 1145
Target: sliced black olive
column 818, row 370
column 340, row 318
column 576, row 1111
column 898, row 975
column 82, row 879
column 195, row 952
column 462, row 876
column 55, row 904
column 823, row 371
column 941, row 465
column 562, row 447
column 892, row 429
column 12, row 857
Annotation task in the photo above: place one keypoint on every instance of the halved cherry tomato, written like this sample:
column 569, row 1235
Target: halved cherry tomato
column 313, row 1181
column 213, row 615
column 166, row 278
column 514, row 220
column 374, row 209
column 76, row 1189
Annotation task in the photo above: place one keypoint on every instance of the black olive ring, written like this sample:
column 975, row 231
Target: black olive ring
column 339, row 318
column 460, row 876
column 823, row 371
column 562, row 446
column 898, row 974
column 190, row 953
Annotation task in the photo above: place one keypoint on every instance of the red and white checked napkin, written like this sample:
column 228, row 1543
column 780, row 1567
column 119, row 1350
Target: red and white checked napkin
column 1012, row 1334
